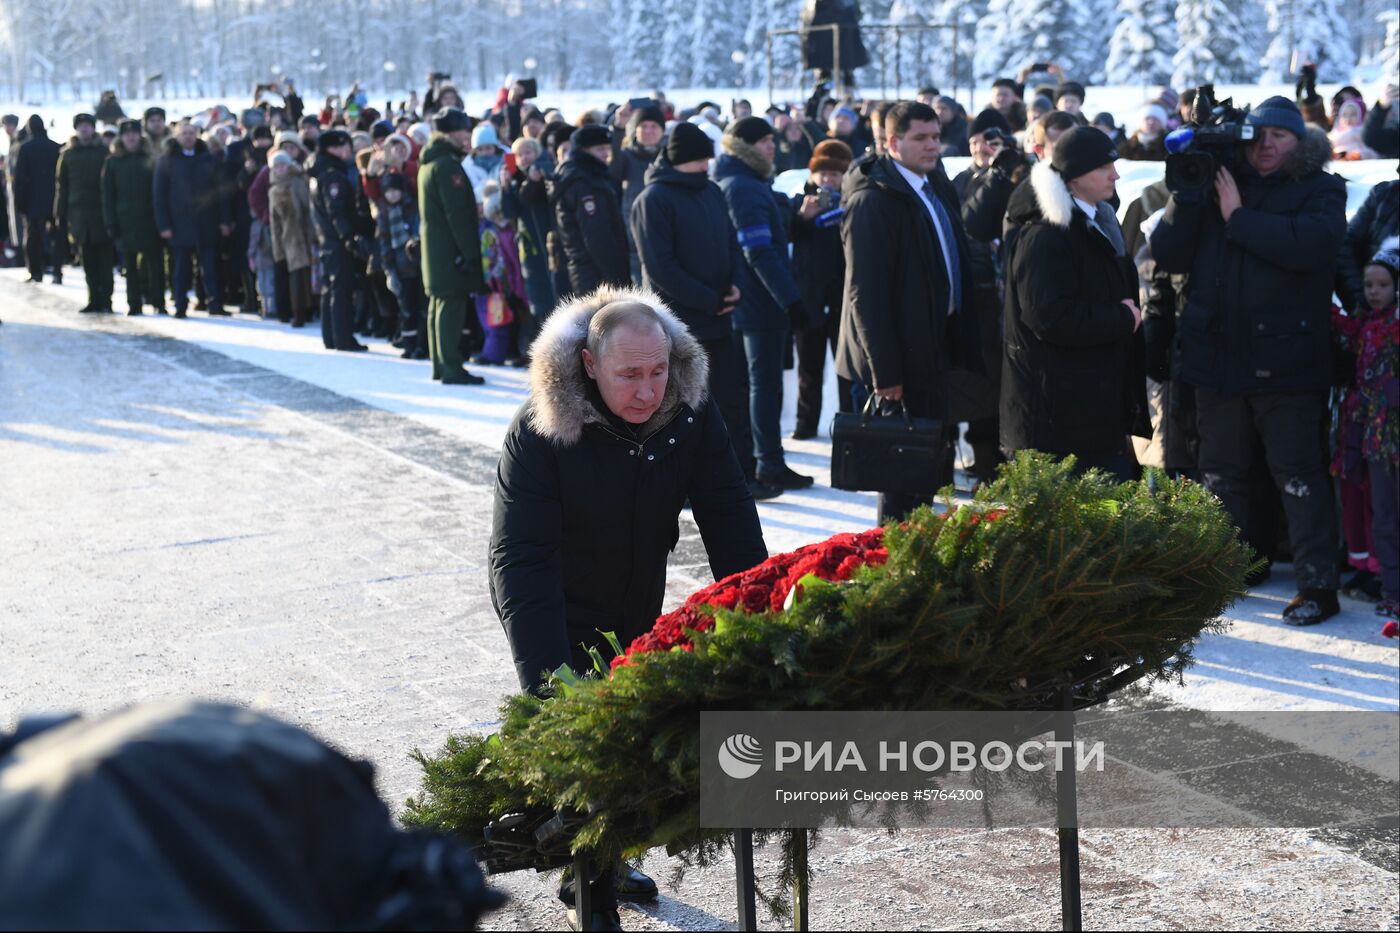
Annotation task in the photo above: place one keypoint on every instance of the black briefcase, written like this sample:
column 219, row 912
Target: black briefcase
column 888, row 452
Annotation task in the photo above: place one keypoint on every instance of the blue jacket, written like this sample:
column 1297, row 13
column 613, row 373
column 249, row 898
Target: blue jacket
column 760, row 222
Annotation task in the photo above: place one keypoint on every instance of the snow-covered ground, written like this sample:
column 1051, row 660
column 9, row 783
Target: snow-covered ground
column 1259, row 664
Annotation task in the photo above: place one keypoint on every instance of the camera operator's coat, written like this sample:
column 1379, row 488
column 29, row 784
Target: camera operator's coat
column 587, row 506
column 1258, row 299
column 1072, row 374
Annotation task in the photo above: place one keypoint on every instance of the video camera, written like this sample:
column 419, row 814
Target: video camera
column 1212, row 139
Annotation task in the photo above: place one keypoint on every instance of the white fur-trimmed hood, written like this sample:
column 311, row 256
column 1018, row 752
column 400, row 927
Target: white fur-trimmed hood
column 560, row 403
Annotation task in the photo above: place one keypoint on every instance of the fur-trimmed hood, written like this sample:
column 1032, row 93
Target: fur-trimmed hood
column 1312, row 155
column 748, row 154
column 97, row 142
column 171, row 146
column 560, row 402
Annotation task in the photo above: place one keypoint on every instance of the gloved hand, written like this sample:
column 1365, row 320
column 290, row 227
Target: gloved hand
column 1007, row 160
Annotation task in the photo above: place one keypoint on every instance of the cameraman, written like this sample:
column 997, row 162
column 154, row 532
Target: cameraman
column 1254, row 330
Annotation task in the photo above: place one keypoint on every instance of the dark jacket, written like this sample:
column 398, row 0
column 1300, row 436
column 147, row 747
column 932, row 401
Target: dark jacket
column 333, row 211
column 1135, row 150
column 760, row 222
column 188, row 196
column 527, row 202
column 792, row 155
column 1260, row 289
column 628, row 168
column 818, row 45
column 1072, row 380
column 1378, row 218
column 450, row 228
column 1381, row 132
column 587, row 507
column 33, row 177
column 588, row 219
column 818, row 260
column 690, row 256
column 954, row 136
column 78, row 201
column 128, row 198
column 984, row 194
column 895, row 325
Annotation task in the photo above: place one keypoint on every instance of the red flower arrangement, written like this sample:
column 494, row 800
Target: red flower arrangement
column 760, row 589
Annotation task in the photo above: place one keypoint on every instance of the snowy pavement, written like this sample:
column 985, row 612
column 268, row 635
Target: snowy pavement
column 239, row 514
column 1260, row 663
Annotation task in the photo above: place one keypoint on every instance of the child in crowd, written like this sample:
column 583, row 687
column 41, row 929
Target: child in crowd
column 397, row 221
column 500, row 308
column 1368, row 443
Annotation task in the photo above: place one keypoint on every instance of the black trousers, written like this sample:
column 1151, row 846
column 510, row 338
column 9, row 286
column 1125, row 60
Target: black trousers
column 337, row 297
column 36, row 245
column 729, row 387
column 812, row 343
column 181, row 268
column 1292, row 428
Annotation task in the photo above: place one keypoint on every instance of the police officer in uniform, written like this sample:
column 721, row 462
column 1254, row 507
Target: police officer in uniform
column 78, row 209
column 333, row 207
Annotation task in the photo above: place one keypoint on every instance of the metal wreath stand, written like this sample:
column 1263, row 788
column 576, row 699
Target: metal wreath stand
column 513, row 843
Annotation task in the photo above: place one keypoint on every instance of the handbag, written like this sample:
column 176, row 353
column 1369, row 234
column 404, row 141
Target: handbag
column 895, row 452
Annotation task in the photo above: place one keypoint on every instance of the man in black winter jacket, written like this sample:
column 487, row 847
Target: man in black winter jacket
column 1254, row 331
column 33, row 182
column 192, row 215
column 1072, row 381
column 588, row 214
column 592, row 479
column 691, row 259
column 616, row 435
column 907, row 314
column 334, row 211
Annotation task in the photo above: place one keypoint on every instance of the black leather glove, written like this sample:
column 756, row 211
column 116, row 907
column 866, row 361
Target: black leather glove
column 1157, row 339
column 797, row 316
column 1007, row 161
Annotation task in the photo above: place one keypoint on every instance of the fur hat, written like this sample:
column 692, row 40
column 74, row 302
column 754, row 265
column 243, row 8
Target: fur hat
column 1388, row 256
column 591, row 135
column 451, row 120
column 831, row 155
column 750, row 129
column 988, row 119
column 1069, row 87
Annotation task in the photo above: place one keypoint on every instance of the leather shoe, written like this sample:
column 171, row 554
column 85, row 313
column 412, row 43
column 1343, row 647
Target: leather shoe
column 462, row 378
column 803, row 433
column 602, row 920
column 354, row 348
column 219, row 312
column 785, row 479
column 1311, row 607
column 760, row 490
column 632, row 886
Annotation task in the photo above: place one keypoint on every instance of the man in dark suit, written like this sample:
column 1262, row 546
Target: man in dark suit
column 907, row 313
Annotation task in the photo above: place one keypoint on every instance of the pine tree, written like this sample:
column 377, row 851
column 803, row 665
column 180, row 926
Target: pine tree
column 1142, row 46
column 992, row 57
column 1071, row 35
column 928, row 54
column 716, row 33
column 1212, row 45
column 1318, row 32
column 1390, row 52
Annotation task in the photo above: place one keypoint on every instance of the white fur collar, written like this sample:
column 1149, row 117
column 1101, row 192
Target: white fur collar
column 560, row 402
column 1052, row 195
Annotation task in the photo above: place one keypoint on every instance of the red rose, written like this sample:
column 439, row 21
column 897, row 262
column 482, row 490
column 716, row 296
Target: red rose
column 755, row 598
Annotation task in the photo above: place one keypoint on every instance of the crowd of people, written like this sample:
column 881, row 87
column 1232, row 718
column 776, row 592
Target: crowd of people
column 456, row 235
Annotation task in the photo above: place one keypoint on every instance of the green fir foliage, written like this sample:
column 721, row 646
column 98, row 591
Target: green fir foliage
column 1044, row 579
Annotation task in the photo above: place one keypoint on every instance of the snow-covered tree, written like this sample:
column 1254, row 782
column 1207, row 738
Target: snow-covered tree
column 716, row 32
column 1389, row 58
column 927, row 55
column 1212, row 45
column 1143, row 43
column 993, row 59
column 1317, row 32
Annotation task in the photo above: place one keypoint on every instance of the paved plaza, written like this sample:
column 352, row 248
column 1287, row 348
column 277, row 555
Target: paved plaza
column 222, row 509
